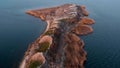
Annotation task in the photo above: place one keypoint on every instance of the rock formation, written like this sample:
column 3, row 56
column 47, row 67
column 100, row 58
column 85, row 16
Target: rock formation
column 59, row 46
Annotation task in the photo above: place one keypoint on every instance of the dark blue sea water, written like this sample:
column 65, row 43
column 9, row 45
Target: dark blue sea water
column 18, row 29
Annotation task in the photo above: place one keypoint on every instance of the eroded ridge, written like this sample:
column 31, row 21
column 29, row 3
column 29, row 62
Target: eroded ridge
column 59, row 46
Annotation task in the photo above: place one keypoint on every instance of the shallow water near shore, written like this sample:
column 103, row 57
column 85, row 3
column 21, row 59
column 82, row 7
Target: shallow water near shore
column 18, row 29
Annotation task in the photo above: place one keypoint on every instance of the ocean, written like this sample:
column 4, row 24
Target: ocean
column 18, row 30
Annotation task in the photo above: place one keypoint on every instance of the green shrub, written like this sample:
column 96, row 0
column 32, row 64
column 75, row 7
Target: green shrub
column 43, row 46
column 34, row 64
column 62, row 20
column 49, row 32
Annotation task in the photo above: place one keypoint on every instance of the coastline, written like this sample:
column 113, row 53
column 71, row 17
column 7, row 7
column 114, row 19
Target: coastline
column 61, row 34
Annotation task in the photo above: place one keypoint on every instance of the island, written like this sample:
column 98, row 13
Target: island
column 59, row 46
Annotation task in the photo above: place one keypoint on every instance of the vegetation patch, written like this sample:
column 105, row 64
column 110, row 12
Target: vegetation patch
column 43, row 47
column 34, row 64
column 49, row 32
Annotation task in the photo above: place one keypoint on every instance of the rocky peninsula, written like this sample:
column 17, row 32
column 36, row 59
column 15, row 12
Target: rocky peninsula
column 60, row 45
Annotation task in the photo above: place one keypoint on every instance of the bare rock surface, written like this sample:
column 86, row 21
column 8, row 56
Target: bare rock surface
column 61, row 43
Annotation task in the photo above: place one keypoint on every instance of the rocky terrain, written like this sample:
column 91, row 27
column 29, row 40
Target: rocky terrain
column 60, row 45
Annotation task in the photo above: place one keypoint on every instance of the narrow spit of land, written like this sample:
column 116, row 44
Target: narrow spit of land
column 59, row 46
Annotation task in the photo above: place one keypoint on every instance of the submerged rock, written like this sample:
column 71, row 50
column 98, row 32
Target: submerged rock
column 59, row 46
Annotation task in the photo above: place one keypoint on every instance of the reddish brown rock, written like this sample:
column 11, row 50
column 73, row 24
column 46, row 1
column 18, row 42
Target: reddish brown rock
column 82, row 30
column 36, row 60
column 64, row 23
column 46, row 38
column 84, row 11
column 86, row 21
column 74, row 54
column 38, row 57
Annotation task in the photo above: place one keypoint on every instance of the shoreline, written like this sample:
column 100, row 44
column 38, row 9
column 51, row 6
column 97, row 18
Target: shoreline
column 59, row 43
